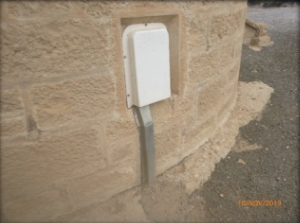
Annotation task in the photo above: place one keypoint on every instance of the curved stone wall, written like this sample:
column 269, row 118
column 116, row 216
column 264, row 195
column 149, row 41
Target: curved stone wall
column 67, row 137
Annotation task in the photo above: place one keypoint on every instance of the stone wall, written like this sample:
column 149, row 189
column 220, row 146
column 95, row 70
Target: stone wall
column 67, row 137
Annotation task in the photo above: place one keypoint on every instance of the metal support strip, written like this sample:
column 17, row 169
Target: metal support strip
column 146, row 129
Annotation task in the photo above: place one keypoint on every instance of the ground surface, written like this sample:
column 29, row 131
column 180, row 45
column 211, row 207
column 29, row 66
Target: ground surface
column 272, row 172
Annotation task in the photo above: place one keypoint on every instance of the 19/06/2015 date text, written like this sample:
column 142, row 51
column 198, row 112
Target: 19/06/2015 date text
column 258, row 203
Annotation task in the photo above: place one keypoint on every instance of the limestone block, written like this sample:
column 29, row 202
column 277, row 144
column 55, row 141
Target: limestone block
column 30, row 10
column 233, row 75
column 12, row 126
column 238, row 47
column 204, row 66
column 229, row 100
column 129, row 148
column 198, row 134
column 197, row 29
column 99, row 9
column 226, row 55
column 73, row 101
column 47, row 48
column 36, row 9
column 38, row 208
column 224, row 25
column 102, row 185
column 10, row 102
column 193, row 8
column 226, row 109
column 186, row 107
column 30, row 167
column 189, row 119
column 161, row 113
column 120, row 130
column 185, row 104
column 167, row 141
column 211, row 95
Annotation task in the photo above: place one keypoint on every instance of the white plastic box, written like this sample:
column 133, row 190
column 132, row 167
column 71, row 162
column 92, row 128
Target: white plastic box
column 147, row 63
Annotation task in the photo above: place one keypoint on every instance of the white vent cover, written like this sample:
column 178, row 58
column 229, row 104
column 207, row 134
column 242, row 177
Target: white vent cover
column 147, row 63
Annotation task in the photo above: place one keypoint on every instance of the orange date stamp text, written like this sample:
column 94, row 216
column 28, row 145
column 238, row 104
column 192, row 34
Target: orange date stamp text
column 259, row 203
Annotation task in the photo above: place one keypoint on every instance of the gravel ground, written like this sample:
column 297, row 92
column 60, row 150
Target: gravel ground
column 272, row 172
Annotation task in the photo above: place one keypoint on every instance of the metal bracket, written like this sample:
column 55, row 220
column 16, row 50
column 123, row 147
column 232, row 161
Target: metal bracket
column 146, row 129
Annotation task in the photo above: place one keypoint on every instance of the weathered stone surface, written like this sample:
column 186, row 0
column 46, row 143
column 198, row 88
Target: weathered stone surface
column 225, row 24
column 204, row 66
column 37, row 9
column 226, row 55
column 161, row 113
column 73, row 101
column 10, row 102
column 186, row 107
column 100, row 9
column 199, row 134
column 28, row 10
column 12, row 126
column 189, row 119
column 50, row 48
column 39, row 208
column 238, row 50
column 28, row 168
column 120, row 129
column 211, row 95
column 167, row 162
column 124, row 207
column 129, row 148
column 185, row 104
column 227, row 106
column 197, row 32
column 102, row 185
column 167, row 140
column 233, row 74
